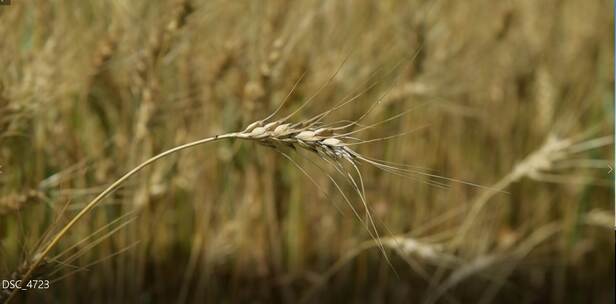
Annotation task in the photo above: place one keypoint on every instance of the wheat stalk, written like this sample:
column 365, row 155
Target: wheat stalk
column 329, row 143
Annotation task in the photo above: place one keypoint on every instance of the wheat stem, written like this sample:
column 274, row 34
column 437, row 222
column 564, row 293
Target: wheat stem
column 39, row 257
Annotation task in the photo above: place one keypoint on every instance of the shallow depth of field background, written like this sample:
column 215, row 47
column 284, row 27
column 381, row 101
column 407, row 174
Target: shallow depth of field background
column 89, row 90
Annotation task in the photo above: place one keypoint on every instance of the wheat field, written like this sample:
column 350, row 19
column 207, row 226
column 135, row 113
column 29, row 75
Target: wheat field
column 458, row 151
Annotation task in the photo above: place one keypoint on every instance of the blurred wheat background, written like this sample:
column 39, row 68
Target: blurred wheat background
column 516, row 96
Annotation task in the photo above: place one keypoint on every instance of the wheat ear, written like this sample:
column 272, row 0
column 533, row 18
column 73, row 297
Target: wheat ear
column 277, row 134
